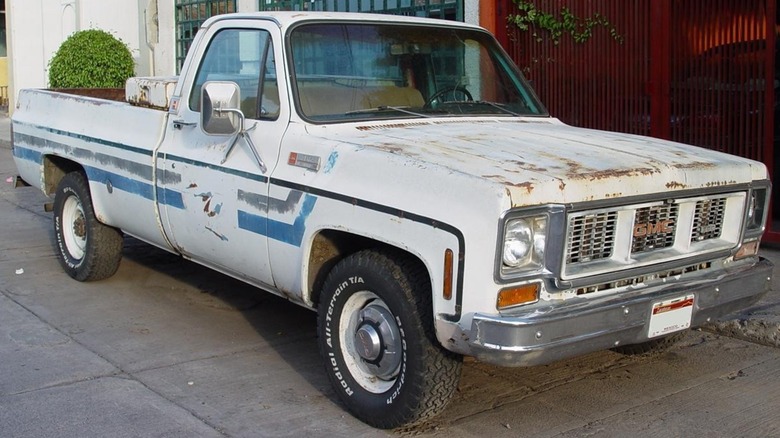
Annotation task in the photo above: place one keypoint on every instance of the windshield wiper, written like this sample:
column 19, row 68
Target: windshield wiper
column 499, row 106
column 387, row 108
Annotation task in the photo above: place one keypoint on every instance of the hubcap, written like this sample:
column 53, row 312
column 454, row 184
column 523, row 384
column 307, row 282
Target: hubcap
column 371, row 342
column 74, row 227
column 377, row 341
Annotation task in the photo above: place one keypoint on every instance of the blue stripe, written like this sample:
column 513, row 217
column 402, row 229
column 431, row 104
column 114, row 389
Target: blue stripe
column 87, row 138
column 28, row 154
column 288, row 233
column 133, row 186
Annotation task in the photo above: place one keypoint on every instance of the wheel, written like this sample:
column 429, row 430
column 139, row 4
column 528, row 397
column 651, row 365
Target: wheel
column 653, row 346
column 88, row 249
column 453, row 90
column 376, row 337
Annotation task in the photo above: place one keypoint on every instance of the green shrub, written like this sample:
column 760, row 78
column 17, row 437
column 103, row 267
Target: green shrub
column 91, row 59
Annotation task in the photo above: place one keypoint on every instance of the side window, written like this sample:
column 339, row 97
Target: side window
column 243, row 56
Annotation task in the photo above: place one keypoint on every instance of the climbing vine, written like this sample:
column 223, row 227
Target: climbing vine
column 532, row 19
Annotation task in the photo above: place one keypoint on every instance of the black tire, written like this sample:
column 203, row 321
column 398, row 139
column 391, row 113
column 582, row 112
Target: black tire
column 653, row 346
column 88, row 249
column 392, row 295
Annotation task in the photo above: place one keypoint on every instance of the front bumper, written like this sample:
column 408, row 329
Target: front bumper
column 580, row 326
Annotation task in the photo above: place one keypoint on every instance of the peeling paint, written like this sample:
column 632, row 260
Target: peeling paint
column 331, row 161
column 204, row 196
column 222, row 237
column 215, row 211
column 264, row 203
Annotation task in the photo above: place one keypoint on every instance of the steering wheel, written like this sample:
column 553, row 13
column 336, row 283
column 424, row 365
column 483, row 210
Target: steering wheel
column 453, row 90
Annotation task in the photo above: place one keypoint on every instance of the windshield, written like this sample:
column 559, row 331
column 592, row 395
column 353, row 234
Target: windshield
column 345, row 72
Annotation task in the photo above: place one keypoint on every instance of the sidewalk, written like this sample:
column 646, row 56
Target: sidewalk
column 759, row 324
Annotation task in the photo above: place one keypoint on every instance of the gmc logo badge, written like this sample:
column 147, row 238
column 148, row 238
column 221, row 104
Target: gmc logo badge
column 649, row 228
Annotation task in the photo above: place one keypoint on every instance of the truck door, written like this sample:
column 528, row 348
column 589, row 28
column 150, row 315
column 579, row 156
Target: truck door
column 220, row 217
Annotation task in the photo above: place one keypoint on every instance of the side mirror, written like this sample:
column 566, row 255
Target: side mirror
column 219, row 108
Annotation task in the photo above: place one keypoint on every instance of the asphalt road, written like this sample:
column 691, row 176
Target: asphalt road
column 168, row 348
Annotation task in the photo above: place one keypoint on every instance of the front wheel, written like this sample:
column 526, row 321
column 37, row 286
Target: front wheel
column 377, row 339
column 88, row 249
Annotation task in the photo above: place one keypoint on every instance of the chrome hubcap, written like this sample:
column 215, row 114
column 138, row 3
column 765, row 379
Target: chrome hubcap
column 378, row 342
column 372, row 343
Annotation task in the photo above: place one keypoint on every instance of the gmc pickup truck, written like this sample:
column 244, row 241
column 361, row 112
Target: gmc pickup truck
column 400, row 177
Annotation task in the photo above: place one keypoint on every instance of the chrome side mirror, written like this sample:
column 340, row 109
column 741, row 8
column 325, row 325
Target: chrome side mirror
column 219, row 108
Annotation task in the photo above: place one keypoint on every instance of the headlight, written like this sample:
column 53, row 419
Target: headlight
column 524, row 243
column 756, row 211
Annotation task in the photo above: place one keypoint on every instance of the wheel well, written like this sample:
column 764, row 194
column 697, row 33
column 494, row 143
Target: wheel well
column 54, row 169
column 331, row 246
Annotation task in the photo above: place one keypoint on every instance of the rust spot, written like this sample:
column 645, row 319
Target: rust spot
column 208, row 204
column 562, row 185
column 612, row 173
column 673, row 185
column 192, row 186
column 389, row 147
column 529, row 166
column 613, row 195
column 719, row 183
column 694, row 165
column 528, row 186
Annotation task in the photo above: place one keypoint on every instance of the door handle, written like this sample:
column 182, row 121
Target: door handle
column 178, row 124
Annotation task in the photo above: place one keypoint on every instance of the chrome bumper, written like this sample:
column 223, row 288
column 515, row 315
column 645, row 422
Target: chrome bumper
column 581, row 326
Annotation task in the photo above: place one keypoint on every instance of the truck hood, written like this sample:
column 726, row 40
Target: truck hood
column 546, row 161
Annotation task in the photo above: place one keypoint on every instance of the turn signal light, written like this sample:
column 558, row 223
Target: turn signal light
column 746, row 250
column 527, row 293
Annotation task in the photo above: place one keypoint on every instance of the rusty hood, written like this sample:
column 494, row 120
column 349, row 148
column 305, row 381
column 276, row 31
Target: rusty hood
column 545, row 161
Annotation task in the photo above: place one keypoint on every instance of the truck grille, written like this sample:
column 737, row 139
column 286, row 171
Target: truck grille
column 607, row 240
column 591, row 237
column 708, row 220
column 654, row 227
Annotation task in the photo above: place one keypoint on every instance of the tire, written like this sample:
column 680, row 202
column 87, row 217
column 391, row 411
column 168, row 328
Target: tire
column 377, row 339
column 88, row 249
column 653, row 346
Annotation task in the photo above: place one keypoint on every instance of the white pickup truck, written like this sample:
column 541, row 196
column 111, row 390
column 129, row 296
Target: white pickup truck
column 399, row 176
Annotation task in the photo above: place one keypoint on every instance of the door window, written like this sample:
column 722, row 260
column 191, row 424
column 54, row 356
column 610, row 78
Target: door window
column 246, row 57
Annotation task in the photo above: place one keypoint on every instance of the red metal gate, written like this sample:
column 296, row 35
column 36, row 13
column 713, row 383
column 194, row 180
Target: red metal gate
column 697, row 71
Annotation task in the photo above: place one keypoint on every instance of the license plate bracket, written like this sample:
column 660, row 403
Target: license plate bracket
column 669, row 316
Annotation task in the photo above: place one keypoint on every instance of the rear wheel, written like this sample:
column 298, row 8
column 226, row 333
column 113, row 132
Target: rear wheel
column 88, row 249
column 376, row 337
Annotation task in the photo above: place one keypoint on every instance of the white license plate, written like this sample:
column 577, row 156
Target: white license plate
column 671, row 316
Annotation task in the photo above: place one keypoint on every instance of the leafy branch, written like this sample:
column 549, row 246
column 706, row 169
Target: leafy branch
column 535, row 20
